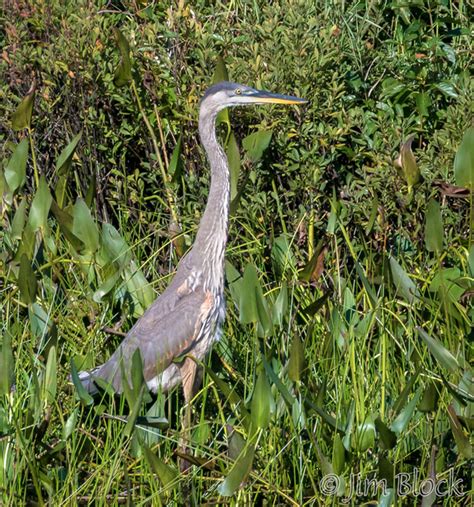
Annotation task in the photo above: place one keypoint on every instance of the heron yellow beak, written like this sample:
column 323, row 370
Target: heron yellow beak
column 263, row 97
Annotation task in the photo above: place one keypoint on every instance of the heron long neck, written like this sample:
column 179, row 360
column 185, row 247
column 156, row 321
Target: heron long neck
column 211, row 238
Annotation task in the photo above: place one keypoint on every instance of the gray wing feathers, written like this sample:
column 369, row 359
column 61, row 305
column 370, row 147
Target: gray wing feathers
column 164, row 332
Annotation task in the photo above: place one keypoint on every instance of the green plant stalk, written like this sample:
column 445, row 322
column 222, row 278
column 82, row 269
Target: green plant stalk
column 164, row 174
column 33, row 157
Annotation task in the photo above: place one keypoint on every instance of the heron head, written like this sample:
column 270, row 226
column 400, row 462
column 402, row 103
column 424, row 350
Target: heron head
column 226, row 94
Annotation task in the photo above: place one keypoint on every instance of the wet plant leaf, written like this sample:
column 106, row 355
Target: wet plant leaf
column 84, row 396
column 255, row 144
column 238, row 473
column 84, row 226
column 400, row 424
column 38, row 217
column 263, row 404
column 6, row 365
column 19, row 220
column 296, row 364
column 464, row 161
column 27, row 281
column 408, row 164
column 434, row 231
column 123, row 72
column 50, row 378
column 21, row 118
column 167, row 474
column 65, row 158
column 442, row 355
column 15, row 172
column 403, row 283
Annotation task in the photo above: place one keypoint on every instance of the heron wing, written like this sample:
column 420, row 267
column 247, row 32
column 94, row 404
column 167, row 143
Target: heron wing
column 160, row 338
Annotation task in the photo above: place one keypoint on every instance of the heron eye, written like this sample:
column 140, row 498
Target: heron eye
column 238, row 91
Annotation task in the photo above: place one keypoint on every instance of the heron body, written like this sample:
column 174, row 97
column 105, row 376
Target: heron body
column 187, row 317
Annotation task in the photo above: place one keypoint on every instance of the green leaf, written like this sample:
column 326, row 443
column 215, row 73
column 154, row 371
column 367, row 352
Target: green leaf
column 19, row 220
column 434, row 232
column 233, row 156
column 27, row 281
column 338, row 455
column 387, row 436
column 139, row 288
column 50, row 378
column 167, row 474
column 296, row 364
column 423, row 102
column 430, row 398
column 38, row 217
column 84, row 226
column 280, row 307
column 403, row 283
column 65, row 158
column 408, row 163
column 70, row 425
column 84, row 396
column 391, row 86
column 263, row 404
column 255, row 144
column 248, row 296
column 401, row 422
column 462, row 440
column 448, row 89
column 115, row 246
column 365, row 435
column 21, row 118
column 123, row 72
column 439, row 352
column 464, row 161
column 7, row 371
column 15, row 172
column 239, row 472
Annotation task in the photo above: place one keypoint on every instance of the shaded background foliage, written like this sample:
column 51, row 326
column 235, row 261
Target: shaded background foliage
column 331, row 224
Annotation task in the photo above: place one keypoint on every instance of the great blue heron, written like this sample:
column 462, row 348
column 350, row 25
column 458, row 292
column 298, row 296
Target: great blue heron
column 187, row 318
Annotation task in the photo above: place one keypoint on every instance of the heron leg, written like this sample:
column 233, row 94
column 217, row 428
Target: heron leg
column 188, row 376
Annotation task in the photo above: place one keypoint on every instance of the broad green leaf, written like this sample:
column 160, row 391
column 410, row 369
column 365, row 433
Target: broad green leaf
column 448, row 89
column 50, row 378
column 15, row 172
column 365, row 435
column 106, row 287
column 123, row 72
column 70, row 425
column 430, row 398
column 263, row 404
column 434, row 232
column 423, row 102
column 65, row 158
column 238, row 473
column 19, row 220
column 248, row 296
column 38, row 217
column 21, row 118
column 235, row 282
column 462, row 440
column 236, row 444
column 400, row 424
column 84, row 396
column 7, row 371
column 84, row 226
column 280, row 307
column 233, row 156
column 408, row 163
column 134, row 411
column 138, row 287
column 391, row 86
column 403, row 397
column 403, row 283
column 464, row 161
column 255, row 144
column 338, row 455
column 167, row 474
column 65, row 221
column 296, row 364
column 287, row 396
column 115, row 246
column 282, row 255
column 387, row 436
column 27, row 281
column 439, row 352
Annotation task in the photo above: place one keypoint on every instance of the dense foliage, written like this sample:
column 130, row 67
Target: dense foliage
column 348, row 344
